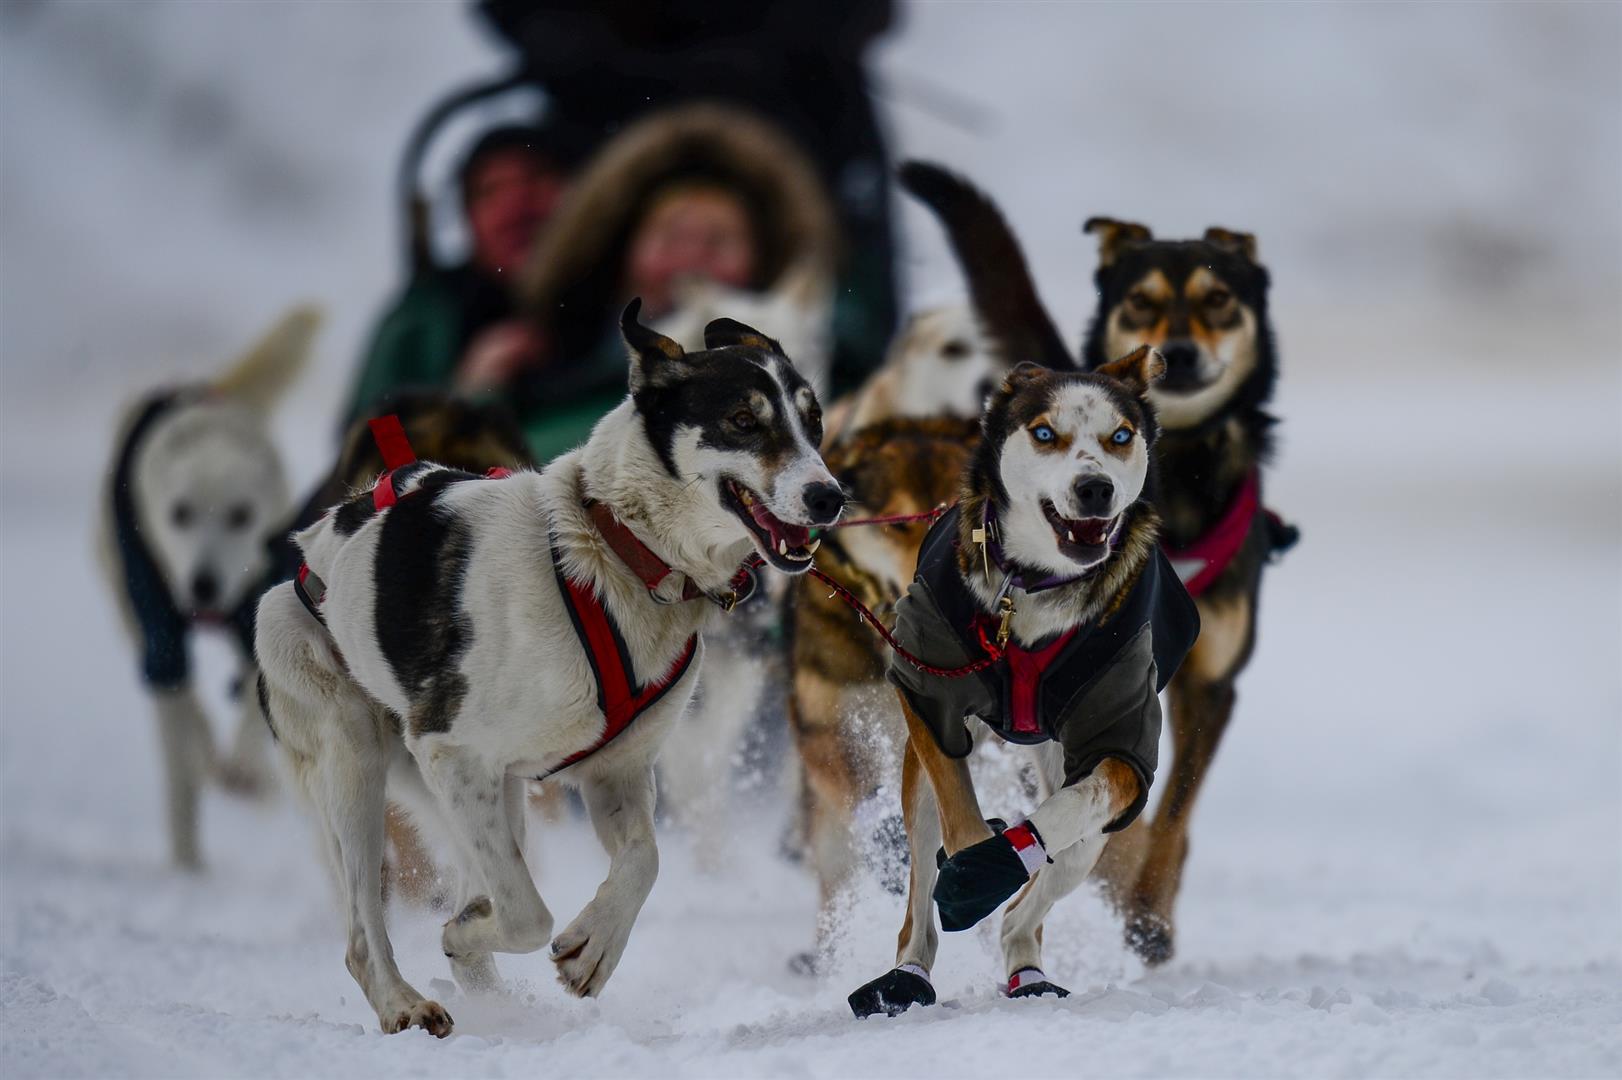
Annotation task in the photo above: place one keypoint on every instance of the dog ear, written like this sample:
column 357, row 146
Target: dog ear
column 1114, row 235
column 1242, row 244
column 1137, row 369
column 651, row 352
column 1021, row 376
column 263, row 374
column 723, row 333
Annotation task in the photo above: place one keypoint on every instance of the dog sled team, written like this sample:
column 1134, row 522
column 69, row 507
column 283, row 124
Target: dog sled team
column 654, row 502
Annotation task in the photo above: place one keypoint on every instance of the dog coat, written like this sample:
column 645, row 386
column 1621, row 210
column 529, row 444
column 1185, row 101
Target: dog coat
column 165, row 661
column 1093, row 688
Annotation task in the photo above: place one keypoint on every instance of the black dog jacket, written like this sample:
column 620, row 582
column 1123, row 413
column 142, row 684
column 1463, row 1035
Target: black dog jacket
column 165, row 662
column 1094, row 688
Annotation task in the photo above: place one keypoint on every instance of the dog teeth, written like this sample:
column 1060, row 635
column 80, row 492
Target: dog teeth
column 811, row 549
column 782, row 547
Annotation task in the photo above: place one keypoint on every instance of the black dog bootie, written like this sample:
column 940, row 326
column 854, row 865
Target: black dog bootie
column 893, row 993
column 975, row 882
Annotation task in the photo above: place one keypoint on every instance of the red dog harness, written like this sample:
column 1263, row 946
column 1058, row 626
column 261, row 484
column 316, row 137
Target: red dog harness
column 619, row 696
column 1203, row 561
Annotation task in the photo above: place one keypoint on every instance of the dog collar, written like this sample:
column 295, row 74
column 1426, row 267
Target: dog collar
column 651, row 570
column 1014, row 576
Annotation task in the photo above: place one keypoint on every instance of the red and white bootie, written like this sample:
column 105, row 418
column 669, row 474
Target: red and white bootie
column 1031, row 982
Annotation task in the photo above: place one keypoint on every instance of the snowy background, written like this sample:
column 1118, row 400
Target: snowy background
column 1408, row 860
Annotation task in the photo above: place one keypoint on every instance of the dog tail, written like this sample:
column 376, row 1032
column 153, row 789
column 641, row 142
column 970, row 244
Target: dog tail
column 999, row 279
column 265, row 372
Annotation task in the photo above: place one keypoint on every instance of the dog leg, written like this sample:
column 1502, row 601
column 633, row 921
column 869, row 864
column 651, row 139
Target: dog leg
column 335, row 740
column 589, row 949
column 1022, row 922
column 1199, row 715
column 188, row 754
column 962, row 823
column 1202, row 697
column 349, row 790
column 245, row 769
column 479, row 805
column 907, row 984
column 831, row 787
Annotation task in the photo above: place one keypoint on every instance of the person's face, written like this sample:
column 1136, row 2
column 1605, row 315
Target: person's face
column 509, row 197
column 693, row 232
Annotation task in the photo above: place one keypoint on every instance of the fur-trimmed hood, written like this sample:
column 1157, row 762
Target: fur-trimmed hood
column 576, row 266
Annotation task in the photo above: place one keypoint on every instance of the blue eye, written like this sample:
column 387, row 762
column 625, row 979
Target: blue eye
column 1043, row 434
column 1122, row 436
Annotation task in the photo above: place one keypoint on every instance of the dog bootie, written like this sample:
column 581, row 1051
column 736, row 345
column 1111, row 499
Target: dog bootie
column 1030, row 982
column 975, row 882
column 893, row 993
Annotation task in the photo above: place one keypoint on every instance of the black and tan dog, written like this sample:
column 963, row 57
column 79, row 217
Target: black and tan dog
column 1043, row 611
column 1203, row 305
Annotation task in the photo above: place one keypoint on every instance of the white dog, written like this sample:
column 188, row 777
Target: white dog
column 196, row 488
column 454, row 636
column 940, row 364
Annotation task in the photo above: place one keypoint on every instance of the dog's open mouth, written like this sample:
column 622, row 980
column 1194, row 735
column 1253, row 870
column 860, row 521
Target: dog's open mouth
column 787, row 547
column 1085, row 540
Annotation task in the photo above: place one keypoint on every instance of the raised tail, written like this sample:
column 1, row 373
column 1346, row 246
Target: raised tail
column 999, row 280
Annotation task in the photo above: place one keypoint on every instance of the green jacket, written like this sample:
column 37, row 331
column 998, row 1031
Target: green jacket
column 421, row 338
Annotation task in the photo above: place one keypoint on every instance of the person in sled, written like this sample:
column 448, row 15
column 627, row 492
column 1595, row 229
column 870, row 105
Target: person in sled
column 453, row 326
column 703, row 211
column 800, row 65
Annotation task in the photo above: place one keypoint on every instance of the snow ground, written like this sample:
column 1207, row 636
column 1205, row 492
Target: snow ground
column 1409, row 859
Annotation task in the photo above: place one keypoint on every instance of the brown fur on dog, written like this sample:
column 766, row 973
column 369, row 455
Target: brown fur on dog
column 899, row 466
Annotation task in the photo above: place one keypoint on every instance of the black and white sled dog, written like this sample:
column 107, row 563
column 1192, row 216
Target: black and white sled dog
column 454, row 636
column 194, row 490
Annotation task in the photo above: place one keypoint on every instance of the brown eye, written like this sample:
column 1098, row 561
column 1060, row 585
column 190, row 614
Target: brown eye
column 955, row 349
column 182, row 515
column 744, row 420
column 238, row 517
column 1139, row 300
column 1218, row 298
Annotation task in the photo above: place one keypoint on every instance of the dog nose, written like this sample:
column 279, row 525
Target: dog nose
column 1181, row 357
column 1094, row 494
column 823, row 502
column 205, row 589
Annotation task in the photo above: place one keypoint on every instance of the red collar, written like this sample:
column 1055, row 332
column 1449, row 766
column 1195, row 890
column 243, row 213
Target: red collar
column 652, row 570
column 1203, row 561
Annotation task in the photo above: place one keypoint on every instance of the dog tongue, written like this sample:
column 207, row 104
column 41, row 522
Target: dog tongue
column 1093, row 531
column 795, row 536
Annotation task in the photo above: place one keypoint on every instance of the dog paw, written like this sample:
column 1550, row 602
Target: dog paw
column 891, row 994
column 587, row 952
column 1150, row 937
column 428, row 1015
